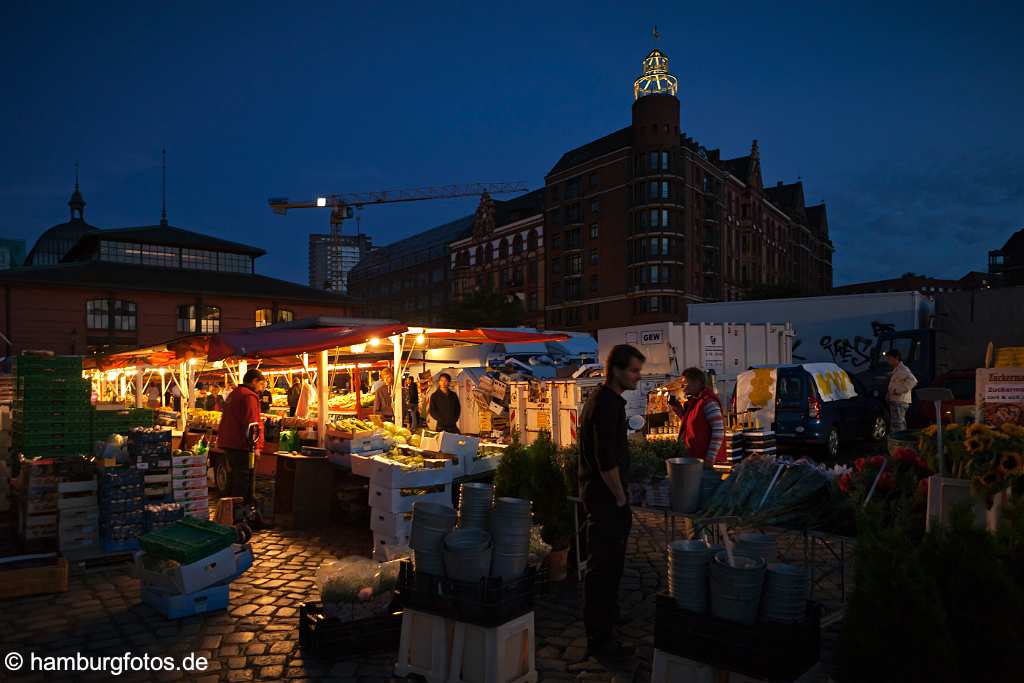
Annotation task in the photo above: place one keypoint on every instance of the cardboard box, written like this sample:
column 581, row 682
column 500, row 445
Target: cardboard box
column 186, row 578
column 392, row 474
column 402, row 500
column 391, row 523
column 459, row 445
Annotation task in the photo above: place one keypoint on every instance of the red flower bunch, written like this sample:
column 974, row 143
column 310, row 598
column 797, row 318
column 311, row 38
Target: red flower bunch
column 844, row 482
column 909, row 456
column 874, row 462
column 886, row 482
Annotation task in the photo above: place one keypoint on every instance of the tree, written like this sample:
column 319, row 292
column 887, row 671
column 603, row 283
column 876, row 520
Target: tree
column 486, row 308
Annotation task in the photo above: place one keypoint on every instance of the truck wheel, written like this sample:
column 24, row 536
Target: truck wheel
column 832, row 443
column 879, row 430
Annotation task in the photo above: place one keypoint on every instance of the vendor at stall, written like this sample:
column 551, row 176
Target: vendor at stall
column 444, row 405
column 703, row 428
column 382, row 404
column 294, row 392
column 241, row 409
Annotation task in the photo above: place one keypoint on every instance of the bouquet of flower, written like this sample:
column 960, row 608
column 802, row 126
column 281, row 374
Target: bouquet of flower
column 992, row 458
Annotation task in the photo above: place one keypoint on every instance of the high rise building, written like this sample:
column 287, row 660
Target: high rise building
column 645, row 220
column 331, row 260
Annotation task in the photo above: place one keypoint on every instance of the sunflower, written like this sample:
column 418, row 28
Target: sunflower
column 985, row 440
column 973, row 445
column 1010, row 429
column 976, row 429
column 1010, row 463
column 952, row 427
column 929, row 430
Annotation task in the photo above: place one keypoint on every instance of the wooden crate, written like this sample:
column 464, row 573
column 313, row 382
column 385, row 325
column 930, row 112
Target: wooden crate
column 50, row 578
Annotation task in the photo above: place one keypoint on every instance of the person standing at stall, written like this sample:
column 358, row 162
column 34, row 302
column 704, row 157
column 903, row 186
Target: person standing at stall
column 241, row 409
column 444, row 405
column 703, row 428
column 294, row 392
column 382, row 401
column 900, row 391
column 411, row 401
column 603, row 472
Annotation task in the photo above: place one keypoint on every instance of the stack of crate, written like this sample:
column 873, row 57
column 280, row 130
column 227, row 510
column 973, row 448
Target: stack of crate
column 51, row 415
column 121, row 500
column 78, row 515
column 189, row 484
column 37, row 504
column 107, row 422
column 149, row 450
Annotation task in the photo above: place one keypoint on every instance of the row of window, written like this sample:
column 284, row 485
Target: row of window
column 119, row 315
column 652, row 219
column 652, row 248
column 572, row 238
column 653, row 277
column 500, row 250
column 173, row 257
column 574, row 187
column 573, row 315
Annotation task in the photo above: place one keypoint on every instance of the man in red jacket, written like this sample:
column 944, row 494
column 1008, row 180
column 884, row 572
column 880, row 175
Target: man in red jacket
column 241, row 409
column 703, row 429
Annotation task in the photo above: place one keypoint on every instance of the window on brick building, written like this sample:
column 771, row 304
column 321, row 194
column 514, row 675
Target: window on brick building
column 595, row 180
column 531, row 240
column 664, row 159
column 572, row 316
column 503, row 248
column 572, row 187
column 593, row 312
column 593, row 282
column 556, row 241
column 573, row 264
column 517, row 244
column 531, row 300
column 264, row 317
column 572, row 239
column 285, row 316
column 593, row 231
column 572, row 288
column 595, row 205
column 111, row 314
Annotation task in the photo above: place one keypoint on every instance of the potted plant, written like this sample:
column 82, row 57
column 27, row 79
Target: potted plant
column 550, row 495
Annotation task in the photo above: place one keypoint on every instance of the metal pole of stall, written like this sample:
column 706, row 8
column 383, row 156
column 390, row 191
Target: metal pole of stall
column 322, row 395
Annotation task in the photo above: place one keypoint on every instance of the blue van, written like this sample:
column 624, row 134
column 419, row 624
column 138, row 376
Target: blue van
column 802, row 417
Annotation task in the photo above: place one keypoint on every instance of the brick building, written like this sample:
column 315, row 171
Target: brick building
column 1007, row 264
column 89, row 289
column 645, row 220
column 410, row 279
column 911, row 282
column 504, row 253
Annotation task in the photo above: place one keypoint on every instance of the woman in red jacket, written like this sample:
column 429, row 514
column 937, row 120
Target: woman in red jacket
column 241, row 409
column 703, row 429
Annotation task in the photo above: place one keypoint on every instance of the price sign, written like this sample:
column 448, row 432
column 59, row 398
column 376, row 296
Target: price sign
column 485, row 421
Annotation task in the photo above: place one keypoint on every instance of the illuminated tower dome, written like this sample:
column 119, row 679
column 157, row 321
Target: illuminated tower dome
column 656, row 80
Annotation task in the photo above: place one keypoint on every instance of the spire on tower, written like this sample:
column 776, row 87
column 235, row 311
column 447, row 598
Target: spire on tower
column 163, row 187
column 77, row 203
column 655, row 80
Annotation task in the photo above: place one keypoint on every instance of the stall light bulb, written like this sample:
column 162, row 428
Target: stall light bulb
column 420, row 338
column 321, row 201
column 162, row 371
column 374, row 341
column 358, row 348
column 191, row 361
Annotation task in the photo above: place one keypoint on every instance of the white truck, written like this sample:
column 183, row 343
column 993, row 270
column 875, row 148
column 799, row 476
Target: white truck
column 721, row 350
column 829, row 329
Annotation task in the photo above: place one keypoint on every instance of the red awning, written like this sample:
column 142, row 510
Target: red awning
column 262, row 342
column 160, row 355
column 493, row 336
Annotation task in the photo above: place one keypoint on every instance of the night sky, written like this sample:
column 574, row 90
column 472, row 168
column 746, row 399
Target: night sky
column 904, row 118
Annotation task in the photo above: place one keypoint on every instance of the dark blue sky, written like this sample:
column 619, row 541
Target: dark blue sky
column 905, row 118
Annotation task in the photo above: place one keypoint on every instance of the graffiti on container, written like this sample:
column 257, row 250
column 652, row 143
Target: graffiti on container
column 855, row 352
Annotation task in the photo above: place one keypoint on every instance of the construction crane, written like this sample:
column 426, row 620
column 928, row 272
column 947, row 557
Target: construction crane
column 341, row 205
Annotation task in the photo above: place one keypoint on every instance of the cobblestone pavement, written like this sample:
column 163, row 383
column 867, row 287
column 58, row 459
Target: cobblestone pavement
column 257, row 637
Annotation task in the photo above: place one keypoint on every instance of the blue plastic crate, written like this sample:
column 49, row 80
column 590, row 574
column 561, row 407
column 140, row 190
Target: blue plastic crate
column 120, row 546
column 180, row 606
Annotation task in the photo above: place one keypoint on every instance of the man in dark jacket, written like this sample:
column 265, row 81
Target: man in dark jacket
column 241, row 410
column 603, row 469
column 444, row 405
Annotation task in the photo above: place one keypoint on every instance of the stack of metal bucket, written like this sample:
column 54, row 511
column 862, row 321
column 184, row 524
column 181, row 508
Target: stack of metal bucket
column 688, row 574
column 431, row 523
column 475, row 506
column 757, row 545
column 510, row 528
column 785, row 594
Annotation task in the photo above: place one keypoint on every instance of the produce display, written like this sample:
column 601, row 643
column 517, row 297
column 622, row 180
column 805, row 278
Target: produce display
column 299, row 423
column 204, row 419
column 388, row 430
column 347, row 402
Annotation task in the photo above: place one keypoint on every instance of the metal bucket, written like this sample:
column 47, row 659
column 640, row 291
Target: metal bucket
column 687, row 575
column 736, row 587
column 430, row 523
column 685, row 475
column 757, row 545
column 467, row 554
column 785, row 594
column 475, row 505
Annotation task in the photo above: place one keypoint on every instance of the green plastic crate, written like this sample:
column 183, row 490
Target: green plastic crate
column 30, row 364
column 188, row 540
column 38, row 388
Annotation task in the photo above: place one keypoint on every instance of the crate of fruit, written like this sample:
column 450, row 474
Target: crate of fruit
column 486, row 459
column 189, row 540
column 407, row 467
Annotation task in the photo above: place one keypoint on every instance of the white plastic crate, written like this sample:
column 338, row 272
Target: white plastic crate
column 363, row 464
column 76, row 495
column 402, row 500
column 181, row 495
column 391, row 523
column 199, row 509
column 365, row 442
column 392, row 474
